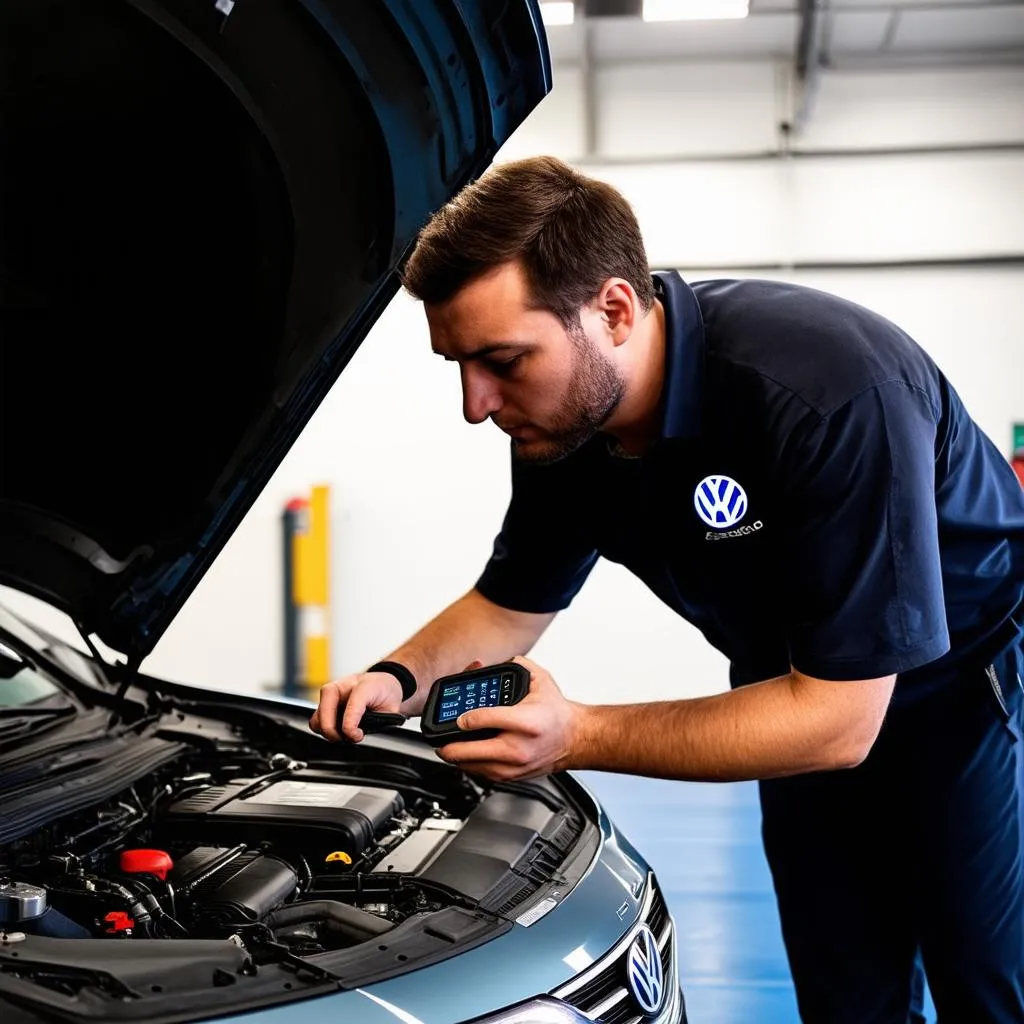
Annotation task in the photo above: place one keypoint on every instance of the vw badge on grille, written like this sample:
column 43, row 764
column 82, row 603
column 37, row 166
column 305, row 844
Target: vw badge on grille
column 643, row 972
column 720, row 501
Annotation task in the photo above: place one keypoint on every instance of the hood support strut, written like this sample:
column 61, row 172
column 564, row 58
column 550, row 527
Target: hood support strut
column 131, row 670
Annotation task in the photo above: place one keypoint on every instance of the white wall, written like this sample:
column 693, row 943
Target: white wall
column 659, row 110
column 418, row 494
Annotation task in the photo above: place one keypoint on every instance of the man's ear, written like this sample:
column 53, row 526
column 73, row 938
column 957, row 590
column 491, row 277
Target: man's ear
column 619, row 306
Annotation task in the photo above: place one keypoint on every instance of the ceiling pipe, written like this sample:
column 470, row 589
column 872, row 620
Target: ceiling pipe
column 807, row 64
column 588, row 87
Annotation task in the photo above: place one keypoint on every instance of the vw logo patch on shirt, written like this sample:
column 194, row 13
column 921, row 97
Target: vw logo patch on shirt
column 720, row 501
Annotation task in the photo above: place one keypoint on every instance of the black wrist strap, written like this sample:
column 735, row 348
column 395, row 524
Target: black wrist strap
column 405, row 678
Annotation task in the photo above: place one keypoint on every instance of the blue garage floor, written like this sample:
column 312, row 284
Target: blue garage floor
column 704, row 843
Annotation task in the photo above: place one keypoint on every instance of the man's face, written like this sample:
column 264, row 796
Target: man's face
column 548, row 388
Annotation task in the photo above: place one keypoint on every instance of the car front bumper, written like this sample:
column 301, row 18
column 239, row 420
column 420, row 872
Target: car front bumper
column 601, row 992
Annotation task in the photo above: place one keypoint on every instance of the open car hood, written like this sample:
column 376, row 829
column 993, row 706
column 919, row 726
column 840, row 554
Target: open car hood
column 204, row 205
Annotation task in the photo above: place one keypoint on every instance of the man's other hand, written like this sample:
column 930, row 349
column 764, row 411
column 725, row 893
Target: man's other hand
column 343, row 702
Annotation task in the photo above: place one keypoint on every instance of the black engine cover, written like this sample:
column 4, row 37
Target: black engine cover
column 312, row 817
column 232, row 885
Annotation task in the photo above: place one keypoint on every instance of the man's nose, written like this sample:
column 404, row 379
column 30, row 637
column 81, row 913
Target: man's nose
column 480, row 398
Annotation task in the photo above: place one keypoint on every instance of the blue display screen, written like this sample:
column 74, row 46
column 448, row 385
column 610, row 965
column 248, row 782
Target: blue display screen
column 482, row 692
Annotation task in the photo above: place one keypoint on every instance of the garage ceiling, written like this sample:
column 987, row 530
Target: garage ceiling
column 870, row 33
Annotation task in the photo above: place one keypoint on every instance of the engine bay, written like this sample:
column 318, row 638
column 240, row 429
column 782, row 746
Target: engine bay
column 219, row 850
column 230, row 841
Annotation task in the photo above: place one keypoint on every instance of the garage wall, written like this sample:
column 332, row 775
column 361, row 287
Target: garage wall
column 418, row 494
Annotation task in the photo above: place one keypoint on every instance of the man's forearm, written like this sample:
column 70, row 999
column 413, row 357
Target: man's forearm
column 470, row 628
column 765, row 730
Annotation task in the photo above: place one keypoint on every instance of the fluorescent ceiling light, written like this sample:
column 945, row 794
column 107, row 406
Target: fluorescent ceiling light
column 694, row 10
column 558, row 12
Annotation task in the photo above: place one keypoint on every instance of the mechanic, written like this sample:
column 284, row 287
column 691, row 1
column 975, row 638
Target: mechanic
column 792, row 474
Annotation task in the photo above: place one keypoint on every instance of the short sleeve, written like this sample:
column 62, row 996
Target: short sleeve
column 861, row 562
column 543, row 554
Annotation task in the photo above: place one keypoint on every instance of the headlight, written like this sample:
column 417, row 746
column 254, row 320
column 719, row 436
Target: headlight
column 536, row 1011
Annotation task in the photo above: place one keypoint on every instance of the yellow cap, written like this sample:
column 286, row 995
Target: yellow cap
column 339, row 855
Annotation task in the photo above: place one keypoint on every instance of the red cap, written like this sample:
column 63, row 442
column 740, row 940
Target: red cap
column 119, row 921
column 148, row 862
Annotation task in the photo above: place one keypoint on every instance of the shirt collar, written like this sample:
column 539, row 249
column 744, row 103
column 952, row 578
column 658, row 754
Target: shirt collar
column 684, row 356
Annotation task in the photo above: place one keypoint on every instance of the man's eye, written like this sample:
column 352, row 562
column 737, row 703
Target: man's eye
column 505, row 365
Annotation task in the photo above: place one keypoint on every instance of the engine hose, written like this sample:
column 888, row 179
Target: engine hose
column 340, row 917
column 153, row 905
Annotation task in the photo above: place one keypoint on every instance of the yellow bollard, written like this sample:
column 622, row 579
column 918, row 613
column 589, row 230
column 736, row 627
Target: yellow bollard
column 311, row 591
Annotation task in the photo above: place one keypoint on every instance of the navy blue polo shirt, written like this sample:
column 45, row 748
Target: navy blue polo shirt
column 819, row 498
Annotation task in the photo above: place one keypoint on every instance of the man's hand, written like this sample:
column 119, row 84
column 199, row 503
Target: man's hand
column 349, row 698
column 536, row 735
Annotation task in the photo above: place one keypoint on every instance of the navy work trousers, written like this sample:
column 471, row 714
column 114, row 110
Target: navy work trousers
column 915, row 856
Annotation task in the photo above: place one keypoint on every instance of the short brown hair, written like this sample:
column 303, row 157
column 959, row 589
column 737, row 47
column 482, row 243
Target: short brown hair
column 569, row 232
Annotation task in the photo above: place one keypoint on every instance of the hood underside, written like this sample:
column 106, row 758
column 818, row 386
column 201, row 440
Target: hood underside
column 204, row 207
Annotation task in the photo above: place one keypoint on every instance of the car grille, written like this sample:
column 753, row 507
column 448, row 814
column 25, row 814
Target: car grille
column 600, row 992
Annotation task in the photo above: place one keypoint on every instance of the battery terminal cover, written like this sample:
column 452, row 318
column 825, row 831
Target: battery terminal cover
column 118, row 922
